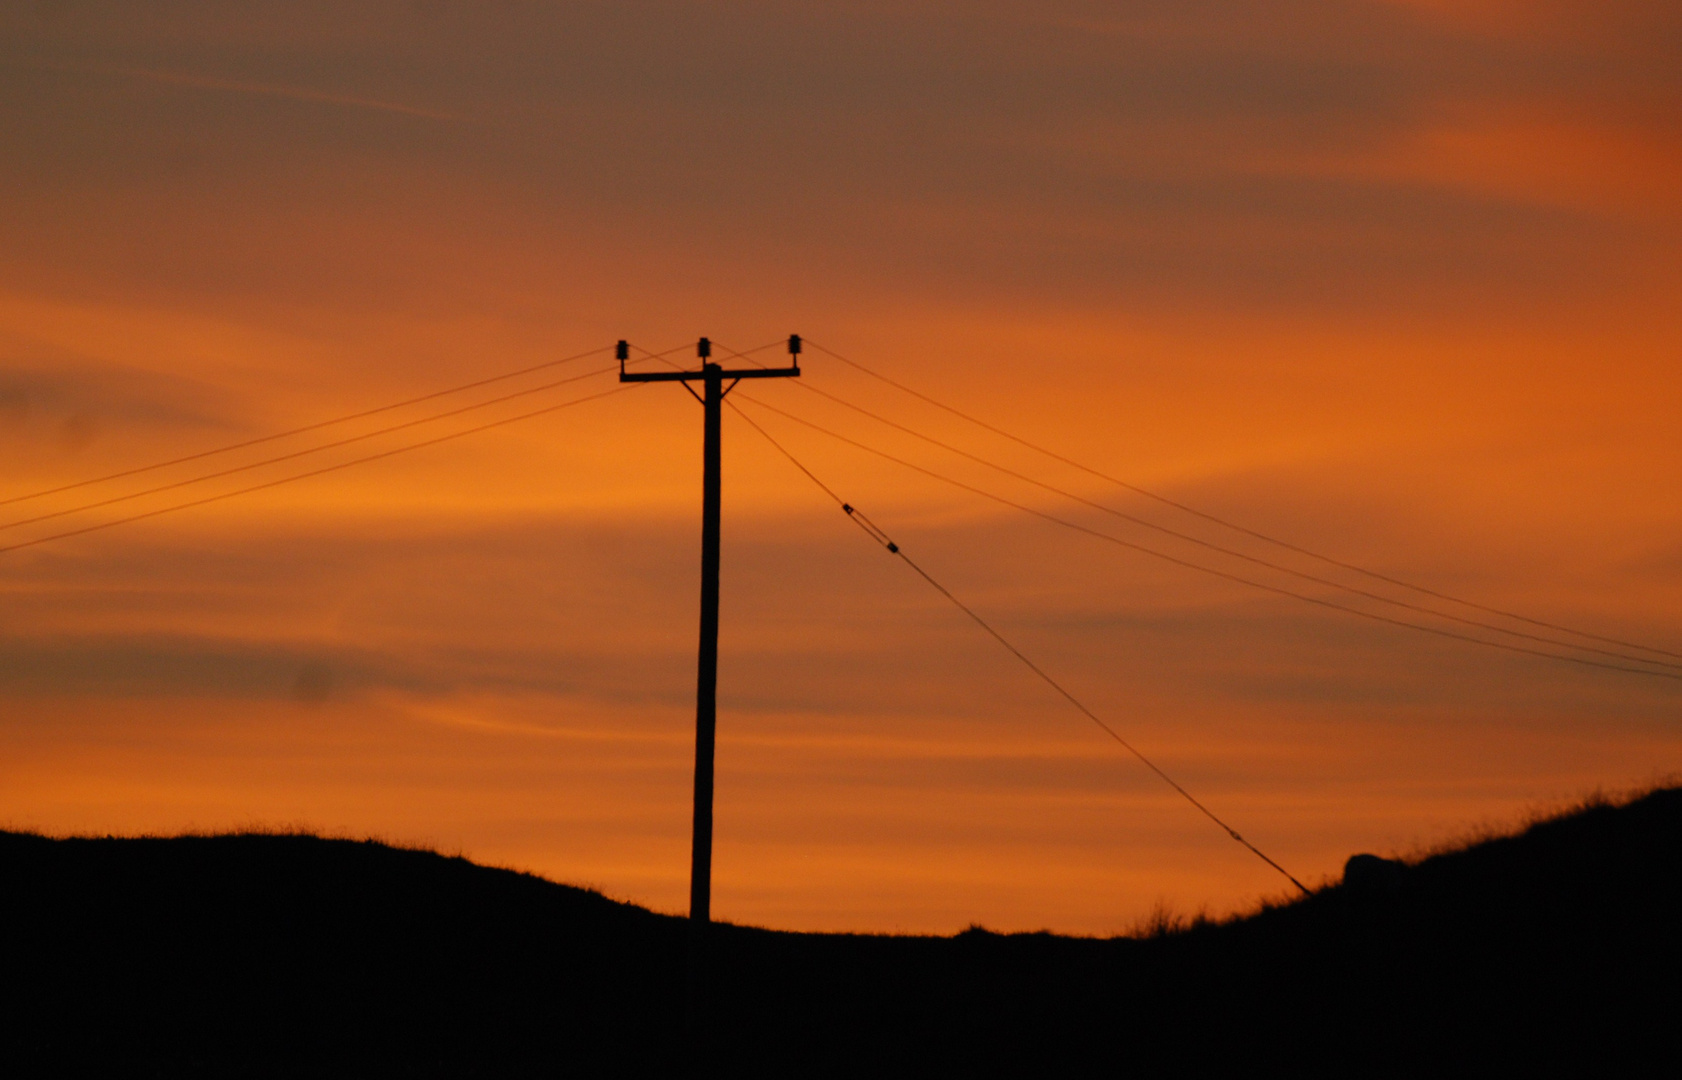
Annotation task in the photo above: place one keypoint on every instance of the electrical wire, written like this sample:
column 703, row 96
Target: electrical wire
column 1175, row 533
column 305, row 429
column 1228, row 524
column 318, row 472
column 1190, row 565
column 876, row 533
column 1422, row 609
column 305, row 452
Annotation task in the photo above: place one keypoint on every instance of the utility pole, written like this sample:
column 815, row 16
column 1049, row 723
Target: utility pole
column 712, row 377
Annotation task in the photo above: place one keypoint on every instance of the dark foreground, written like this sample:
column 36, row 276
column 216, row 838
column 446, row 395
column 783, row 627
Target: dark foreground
column 1549, row 952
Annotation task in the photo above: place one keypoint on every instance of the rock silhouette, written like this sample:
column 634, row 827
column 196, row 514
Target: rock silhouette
column 1368, row 874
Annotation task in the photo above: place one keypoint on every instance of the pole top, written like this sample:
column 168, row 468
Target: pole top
column 704, row 348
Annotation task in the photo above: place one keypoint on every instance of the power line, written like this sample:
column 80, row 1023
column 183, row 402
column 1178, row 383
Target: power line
column 315, row 472
column 306, row 428
column 305, row 452
column 1188, row 564
column 1225, row 523
column 1197, row 566
column 876, row 533
column 463, row 387
column 1146, row 523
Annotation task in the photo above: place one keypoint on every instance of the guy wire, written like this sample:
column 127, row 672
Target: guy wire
column 876, row 533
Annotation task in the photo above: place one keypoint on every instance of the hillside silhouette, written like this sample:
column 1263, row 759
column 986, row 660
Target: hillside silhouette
column 1552, row 950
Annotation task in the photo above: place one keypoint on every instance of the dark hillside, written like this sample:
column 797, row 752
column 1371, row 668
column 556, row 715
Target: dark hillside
column 279, row 954
column 1554, row 950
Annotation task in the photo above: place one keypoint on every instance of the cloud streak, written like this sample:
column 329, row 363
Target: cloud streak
column 273, row 90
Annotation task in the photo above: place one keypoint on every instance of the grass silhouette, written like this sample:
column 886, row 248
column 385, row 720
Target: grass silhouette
column 1548, row 950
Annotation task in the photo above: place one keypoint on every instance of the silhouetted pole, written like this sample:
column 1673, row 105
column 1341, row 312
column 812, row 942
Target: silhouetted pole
column 706, row 675
column 712, row 377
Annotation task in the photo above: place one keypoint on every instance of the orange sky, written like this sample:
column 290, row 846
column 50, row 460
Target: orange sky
column 1394, row 281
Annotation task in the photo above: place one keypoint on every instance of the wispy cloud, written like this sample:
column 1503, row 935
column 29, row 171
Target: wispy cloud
column 262, row 89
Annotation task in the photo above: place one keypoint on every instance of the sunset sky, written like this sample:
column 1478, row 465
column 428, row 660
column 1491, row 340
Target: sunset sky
column 1397, row 282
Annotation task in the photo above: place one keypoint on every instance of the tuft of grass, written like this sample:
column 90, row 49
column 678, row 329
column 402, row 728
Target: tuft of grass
column 1540, row 813
column 1163, row 921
